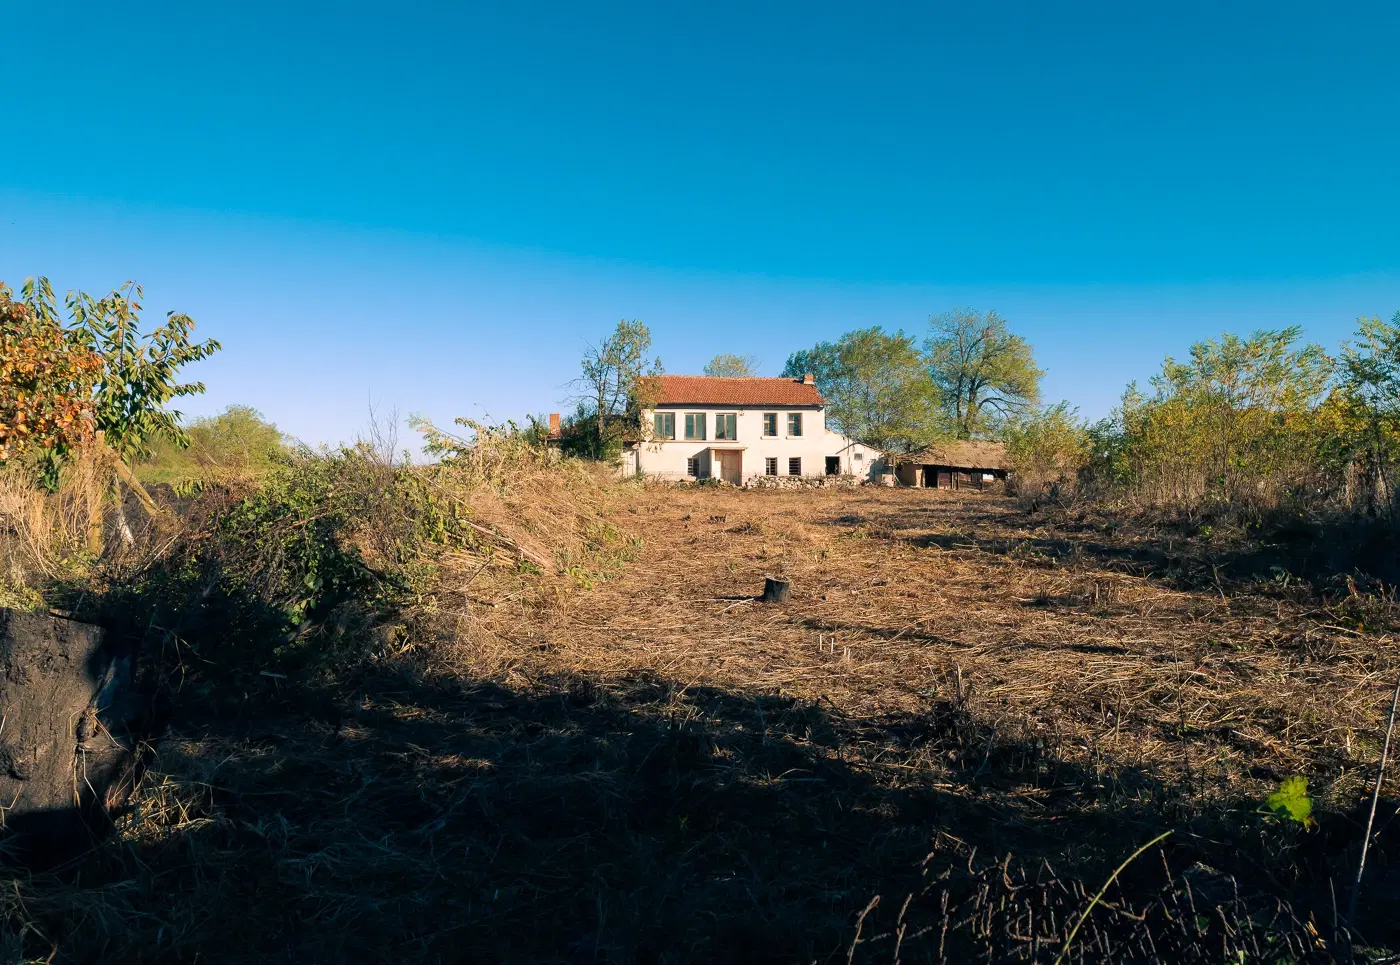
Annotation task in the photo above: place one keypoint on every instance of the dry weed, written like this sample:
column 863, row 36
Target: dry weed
column 588, row 741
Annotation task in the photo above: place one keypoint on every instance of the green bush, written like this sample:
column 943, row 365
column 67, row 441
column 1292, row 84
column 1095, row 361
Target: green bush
column 1047, row 450
column 322, row 542
column 237, row 441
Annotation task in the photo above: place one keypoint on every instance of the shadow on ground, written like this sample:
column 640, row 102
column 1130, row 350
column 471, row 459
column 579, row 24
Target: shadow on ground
column 329, row 797
column 1171, row 550
column 398, row 816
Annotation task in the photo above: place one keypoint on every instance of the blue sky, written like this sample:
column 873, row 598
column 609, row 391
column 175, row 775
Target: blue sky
column 433, row 205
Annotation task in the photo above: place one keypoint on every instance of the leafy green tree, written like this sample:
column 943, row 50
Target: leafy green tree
column 728, row 365
column 1246, row 407
column 876, row 387
column 238, row 440
column 984, row 373
column 1046, row 449
column 1367, row 407
column 612, row 390
column 140, row 373
column 1237, row 423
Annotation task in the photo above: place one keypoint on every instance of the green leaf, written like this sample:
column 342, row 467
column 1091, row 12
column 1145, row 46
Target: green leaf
column 1291, row 802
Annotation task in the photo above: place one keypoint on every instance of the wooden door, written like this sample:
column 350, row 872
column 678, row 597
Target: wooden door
column 731, row 466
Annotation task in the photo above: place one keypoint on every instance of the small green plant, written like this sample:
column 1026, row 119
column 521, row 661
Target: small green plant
column 583, row 577
column 188, row 488
column 1290, row 803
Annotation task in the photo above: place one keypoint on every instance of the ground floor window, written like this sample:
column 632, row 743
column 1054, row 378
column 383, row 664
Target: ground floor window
column 770, row 466
column 690, row 468
column 795, row 466
column 833, row 465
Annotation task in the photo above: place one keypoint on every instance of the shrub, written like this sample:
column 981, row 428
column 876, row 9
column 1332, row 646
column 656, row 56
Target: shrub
column 1236, row 426
column 238, row 441
column 1047, row 451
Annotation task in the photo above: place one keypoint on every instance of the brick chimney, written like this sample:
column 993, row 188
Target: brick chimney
column 554, row 429
column 809, row 379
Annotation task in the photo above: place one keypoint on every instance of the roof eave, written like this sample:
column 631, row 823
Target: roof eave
column 741, row 405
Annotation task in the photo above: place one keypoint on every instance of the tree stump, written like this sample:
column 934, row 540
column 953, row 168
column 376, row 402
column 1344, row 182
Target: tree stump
column 64, row 756
column 775, row 590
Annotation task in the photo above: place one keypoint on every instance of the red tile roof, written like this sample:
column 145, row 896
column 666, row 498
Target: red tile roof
column 714, row 390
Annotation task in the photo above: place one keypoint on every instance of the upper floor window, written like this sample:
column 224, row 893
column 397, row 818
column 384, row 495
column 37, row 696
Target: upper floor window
column 770, row 425
column 665, row 425
column 695, row 425
column 794, row 423
column 726, row 425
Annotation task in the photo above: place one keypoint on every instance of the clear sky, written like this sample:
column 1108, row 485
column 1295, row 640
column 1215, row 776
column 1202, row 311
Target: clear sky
column 432, row 206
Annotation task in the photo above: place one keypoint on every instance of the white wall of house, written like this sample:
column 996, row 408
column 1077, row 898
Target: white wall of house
column 683, row 458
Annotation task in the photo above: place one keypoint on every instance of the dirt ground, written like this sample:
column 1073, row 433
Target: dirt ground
column 1115, row 649
column 661, row 768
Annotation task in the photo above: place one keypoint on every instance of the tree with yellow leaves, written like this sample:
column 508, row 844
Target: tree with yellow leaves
column 46, row 383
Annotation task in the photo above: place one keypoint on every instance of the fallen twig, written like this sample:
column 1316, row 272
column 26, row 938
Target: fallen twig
column 1375, row 800
column 1069, row 939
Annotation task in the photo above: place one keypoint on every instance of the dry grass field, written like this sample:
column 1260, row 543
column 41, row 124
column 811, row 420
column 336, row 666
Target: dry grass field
column 970, row 712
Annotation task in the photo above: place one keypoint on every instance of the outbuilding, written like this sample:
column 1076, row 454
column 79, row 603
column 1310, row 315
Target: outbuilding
column 955, row 465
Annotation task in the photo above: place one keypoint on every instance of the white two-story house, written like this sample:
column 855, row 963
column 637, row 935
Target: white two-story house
column 740, row 429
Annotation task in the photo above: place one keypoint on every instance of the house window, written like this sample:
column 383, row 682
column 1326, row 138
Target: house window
column 795, row 466
column 794, row 423
column 859, row 457
column 833, row 465
column 770, row 466
column 665, row 425
column 695, row 425
column 690, row 469
column 770, row 425
column 726, row 425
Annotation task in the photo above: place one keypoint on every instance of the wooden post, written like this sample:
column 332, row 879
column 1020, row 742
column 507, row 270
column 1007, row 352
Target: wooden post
column 95, row 497
column 775, row 590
